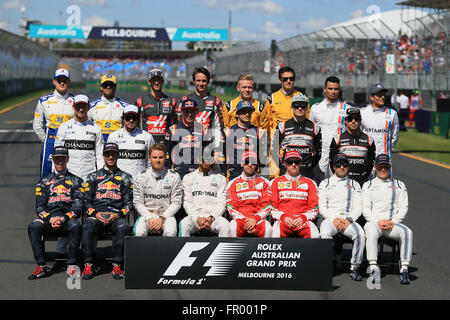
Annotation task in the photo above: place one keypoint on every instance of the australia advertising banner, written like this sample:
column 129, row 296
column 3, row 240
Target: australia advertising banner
column 183, row 34
column 228, row 263
column 50, row 31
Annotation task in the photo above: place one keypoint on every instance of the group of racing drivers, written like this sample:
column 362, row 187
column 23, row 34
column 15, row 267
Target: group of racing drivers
column 240, row 169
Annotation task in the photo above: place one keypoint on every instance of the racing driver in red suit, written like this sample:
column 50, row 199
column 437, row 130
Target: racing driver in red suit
column 294, row 201
column 248, row 201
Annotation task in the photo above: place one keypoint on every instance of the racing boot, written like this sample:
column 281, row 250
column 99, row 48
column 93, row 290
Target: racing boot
column 40, row 272
column 87, row 273
column 117, row 272
column 354, row 274
column 404, row 275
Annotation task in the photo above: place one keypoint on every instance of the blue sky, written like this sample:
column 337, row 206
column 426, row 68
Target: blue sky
column 251, row 20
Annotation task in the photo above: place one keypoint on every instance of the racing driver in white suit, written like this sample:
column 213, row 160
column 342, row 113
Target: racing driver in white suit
column 204, row 201
column 340, row 204
column 157, row 196
column 385, row 204
column 330, row 116
column 379, row 121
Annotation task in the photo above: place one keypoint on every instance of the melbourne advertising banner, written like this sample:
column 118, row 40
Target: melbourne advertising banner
column 228, row 263
column 121, row 33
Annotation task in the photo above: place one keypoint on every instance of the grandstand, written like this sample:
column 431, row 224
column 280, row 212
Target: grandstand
column 356, row 51
column 127, row 64
column 24, row 65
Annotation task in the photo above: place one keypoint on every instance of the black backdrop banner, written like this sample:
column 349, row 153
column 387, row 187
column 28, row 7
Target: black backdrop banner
column 228, row 263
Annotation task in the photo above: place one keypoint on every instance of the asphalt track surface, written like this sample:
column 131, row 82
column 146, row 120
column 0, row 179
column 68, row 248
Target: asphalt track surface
column 428, row 217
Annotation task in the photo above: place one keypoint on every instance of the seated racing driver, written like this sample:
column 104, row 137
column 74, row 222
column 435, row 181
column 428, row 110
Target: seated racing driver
column 248, row 201
column 204, row 200
column 157, row 196
column 294, row 201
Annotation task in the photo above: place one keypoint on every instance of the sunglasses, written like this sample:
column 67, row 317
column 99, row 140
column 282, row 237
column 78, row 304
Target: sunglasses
column 108, row 84
column 62, row 80
column 299, row 105
column 344, row 164
column 284, row 79
column 350, row 119
column 248, row 161
column 81, row 105
column 290, row 162
column 109, row 154
column 130, row 117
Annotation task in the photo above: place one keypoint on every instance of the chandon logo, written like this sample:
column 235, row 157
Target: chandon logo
column 220, row 261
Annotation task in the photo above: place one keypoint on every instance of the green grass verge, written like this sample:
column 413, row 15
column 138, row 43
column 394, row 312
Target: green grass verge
column 424, row 145
column 9, row 102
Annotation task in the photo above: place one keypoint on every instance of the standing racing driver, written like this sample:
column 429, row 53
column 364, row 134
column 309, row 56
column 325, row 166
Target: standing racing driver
column 133, row 142
column 245, row 86
column 83, row 138
column 356, row 145
column 209, row 106
column 300, row 134
column 379, row 121
column 107, row 110
column 52, row 110
column 157, row 109
column 330, row 116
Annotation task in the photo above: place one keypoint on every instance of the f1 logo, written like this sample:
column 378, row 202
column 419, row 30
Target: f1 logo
column 183, row 259
column 220, row 261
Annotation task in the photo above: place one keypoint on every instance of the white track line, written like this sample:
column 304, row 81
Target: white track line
column 16, row 130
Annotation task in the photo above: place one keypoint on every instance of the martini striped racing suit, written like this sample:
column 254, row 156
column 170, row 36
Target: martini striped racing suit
column 341, row 198
column 382, row 125
column 386, row 199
